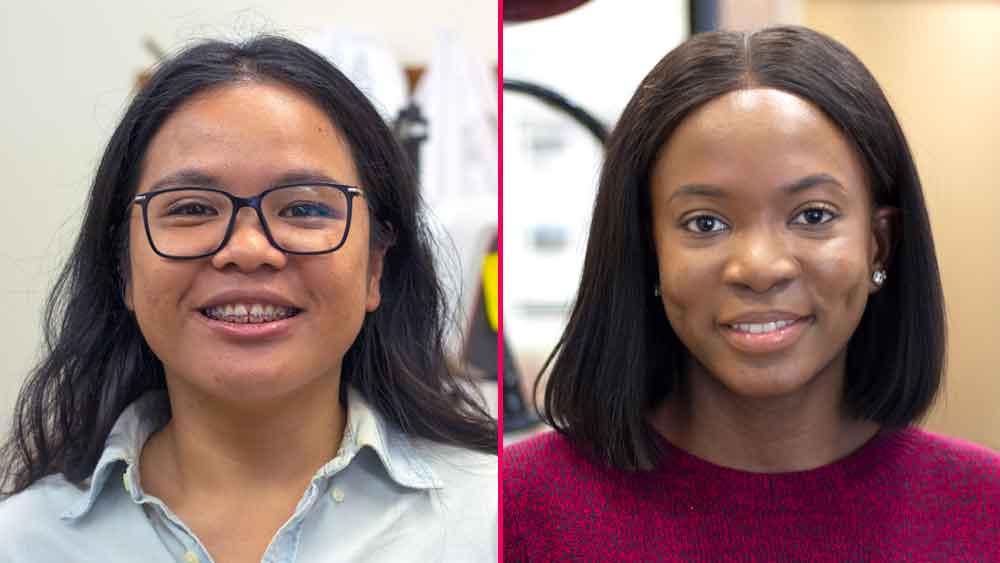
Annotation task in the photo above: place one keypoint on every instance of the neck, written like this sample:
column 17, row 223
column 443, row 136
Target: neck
column 796, row 432
column 214, row 448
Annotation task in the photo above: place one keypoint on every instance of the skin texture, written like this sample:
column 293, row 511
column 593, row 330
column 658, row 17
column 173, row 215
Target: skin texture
column 257, row 416
column 748, row 245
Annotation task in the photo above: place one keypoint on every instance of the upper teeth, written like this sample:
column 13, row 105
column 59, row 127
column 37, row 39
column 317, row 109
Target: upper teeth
column 762, row 327
column 249, row 312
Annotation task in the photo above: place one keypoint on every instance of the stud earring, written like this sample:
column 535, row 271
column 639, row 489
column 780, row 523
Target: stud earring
column 656, row 290
column 878, row 276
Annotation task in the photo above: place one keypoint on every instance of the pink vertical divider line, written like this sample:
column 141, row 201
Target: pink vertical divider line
column 500, row 279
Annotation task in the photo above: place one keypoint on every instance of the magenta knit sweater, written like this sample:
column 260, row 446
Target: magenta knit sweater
column 905, row 496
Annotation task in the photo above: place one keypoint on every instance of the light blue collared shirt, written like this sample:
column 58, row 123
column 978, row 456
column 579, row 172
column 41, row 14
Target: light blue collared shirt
column 384, row 497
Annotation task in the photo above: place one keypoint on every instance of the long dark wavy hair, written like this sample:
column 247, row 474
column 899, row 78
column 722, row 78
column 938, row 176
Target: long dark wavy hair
column 96, row 361
column 619, row 357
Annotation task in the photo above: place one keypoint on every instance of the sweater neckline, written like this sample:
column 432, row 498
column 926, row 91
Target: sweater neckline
column 881, row 449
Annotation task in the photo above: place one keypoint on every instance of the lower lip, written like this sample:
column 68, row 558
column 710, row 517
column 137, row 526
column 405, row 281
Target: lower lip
column 767, row 342
column 250, row 331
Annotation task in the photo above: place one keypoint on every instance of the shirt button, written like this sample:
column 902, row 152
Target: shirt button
column 128, row 488
column 191, row 557
column 337, row 494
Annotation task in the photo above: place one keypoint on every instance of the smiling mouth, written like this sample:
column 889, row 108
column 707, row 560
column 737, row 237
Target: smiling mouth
column 766, row 337
column 250, row 313
column 760, row 328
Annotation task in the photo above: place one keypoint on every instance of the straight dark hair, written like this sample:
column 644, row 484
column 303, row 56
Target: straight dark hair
column 619, row 356
column 97, row 362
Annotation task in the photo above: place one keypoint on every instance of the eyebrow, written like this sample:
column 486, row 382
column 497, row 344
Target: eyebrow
column 192, row 177
column 804, row 183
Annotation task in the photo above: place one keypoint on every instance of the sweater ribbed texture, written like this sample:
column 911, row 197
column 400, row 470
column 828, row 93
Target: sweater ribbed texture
column 905, row 496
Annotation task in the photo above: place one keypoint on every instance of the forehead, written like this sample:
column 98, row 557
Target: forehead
column 756, row 139
column 247, row 134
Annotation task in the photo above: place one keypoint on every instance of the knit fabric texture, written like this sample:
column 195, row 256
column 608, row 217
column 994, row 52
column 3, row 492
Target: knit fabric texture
column 905, row 496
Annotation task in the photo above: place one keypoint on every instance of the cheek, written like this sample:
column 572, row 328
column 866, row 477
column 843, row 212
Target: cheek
column 151, row 281
column 339, row 285
column 840, row 272
column 156, row 292
column 157, row 295
column 687, row 282
column 157, row 288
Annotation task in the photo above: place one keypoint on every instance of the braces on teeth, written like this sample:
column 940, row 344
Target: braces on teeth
column 244, row 314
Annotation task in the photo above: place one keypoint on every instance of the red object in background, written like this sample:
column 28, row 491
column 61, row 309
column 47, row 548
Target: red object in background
column 527, row 10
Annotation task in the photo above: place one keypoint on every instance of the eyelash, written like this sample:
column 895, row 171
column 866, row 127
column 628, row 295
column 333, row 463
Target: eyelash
column 824, row 210
column 688, row 224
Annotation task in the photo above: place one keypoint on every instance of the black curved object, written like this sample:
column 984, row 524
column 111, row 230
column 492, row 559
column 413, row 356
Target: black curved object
column 557, row 101
column 529, row 10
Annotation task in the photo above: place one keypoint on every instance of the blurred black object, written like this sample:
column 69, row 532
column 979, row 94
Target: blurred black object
column 518, row 412
column 704, row 15
column 527, row 10
column 481, row 339
column 559, row 102
column 481, row 353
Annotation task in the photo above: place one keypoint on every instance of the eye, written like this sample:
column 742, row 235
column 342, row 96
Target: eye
column 192, row 208
column 704, row 224
column 814, row 216
column 306, row 209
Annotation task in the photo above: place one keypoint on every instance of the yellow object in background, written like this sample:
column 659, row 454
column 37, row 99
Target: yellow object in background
column 491, row 289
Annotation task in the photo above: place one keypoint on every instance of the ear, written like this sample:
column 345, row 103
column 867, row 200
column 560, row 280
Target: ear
column 126, row 283
column 128, row 297
column 885, row 236
column 376, row 263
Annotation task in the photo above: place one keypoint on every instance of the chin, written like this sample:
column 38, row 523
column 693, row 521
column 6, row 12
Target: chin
column 766, row 382
column 251, row 386
column 763, row 390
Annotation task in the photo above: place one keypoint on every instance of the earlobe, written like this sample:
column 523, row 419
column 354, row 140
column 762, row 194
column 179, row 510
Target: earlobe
column 127, row 296
column 885, row 235
column 376, row 263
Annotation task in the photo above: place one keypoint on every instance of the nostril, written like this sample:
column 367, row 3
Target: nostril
column 761, row 275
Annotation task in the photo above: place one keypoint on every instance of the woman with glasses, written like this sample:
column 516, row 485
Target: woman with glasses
column 245, row 354
column 759, row 324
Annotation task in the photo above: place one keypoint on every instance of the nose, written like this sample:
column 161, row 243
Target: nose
column 761, row 261
column 248, row 248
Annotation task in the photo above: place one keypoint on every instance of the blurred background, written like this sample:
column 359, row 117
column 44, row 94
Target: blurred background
column 69, row 70
column 937, row 61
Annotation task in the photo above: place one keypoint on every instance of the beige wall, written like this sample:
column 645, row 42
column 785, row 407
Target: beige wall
column 939, row 63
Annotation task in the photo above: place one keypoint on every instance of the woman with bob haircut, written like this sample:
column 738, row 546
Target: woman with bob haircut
column 759, row 324
column 245, row 356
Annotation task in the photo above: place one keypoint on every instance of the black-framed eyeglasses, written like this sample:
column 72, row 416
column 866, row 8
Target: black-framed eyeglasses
column 299, row 218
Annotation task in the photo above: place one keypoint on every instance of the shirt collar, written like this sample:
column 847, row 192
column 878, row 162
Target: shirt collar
column 134, row 426
column 365, row 428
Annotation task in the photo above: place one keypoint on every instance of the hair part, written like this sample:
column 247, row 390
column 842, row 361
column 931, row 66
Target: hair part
column 96, row 361
column 599, row 394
